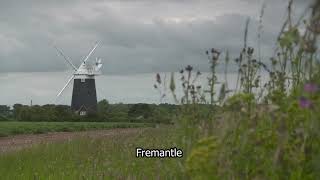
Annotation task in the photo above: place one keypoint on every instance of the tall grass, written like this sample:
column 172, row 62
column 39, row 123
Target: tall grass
column 104, row 158
column 250, row 136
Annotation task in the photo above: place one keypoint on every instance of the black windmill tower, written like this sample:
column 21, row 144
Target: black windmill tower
column 84, row 96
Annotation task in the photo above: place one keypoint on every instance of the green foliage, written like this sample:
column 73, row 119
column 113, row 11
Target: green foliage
column 147, row 113
column 277, row 138
column 5, row 113
column 140, row 112
column 289, row 38
column 103, row 109
column 238, row 101
column 13, row 128
column 44, row 113
column 200, row 164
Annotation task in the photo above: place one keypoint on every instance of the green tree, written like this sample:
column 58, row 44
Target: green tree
column 4, row 112
column 103, row 109
column 140, row 112
column 16, row 110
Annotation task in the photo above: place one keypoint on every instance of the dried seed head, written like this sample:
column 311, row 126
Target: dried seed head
column 189, row 68
column 309, row 47
column 158, row 78
column 250, row 50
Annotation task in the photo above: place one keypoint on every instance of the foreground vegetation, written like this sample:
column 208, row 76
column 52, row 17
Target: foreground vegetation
column 13, row 128
column 257, row 130
column 107, row 158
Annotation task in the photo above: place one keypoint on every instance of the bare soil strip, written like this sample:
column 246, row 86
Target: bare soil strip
column 17, row 142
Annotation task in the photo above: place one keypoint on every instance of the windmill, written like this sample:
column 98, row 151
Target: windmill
column 84, row 97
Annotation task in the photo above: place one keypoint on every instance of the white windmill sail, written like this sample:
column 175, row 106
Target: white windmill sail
column 84, row 70
column 68, row 60
column 95, row 46
column 98, row 66
column 64, row 87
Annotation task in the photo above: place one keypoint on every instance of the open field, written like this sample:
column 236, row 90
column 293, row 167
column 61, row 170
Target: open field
column 17, row 142
column 103, row 156
column 13, row 128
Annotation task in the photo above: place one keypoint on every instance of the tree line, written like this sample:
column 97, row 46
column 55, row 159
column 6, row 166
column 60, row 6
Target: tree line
column 107, row 112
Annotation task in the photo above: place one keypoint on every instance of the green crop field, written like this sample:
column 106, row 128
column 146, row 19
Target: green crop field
column 104, row 158
column 13, row 128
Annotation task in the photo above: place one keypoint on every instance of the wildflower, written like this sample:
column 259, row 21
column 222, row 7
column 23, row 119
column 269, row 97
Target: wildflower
column 304, row 102
column 310, row 88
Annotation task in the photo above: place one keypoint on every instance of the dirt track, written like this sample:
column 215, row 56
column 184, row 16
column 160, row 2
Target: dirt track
column 17, row 142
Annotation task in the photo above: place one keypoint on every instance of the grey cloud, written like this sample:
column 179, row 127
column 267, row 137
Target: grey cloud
column 139, row 36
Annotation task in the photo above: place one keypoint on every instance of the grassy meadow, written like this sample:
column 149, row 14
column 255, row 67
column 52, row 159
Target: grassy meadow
column 14, row 128
column 104, row 158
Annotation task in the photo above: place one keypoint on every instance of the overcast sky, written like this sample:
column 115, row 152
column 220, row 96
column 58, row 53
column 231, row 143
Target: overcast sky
column 137, row 36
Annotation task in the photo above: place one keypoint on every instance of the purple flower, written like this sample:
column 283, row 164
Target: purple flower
column 304, row 102
column 311, row 88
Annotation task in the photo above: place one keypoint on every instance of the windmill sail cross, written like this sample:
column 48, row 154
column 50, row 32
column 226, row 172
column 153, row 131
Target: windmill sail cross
column 84, row 97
